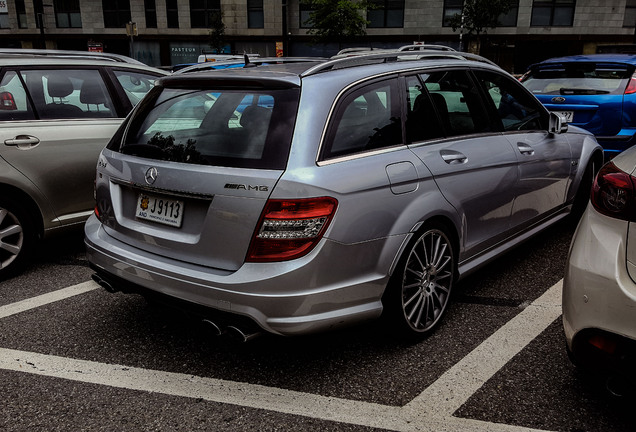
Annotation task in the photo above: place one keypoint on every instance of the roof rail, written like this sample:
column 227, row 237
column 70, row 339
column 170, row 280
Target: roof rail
column 391, row 56
column 425, row 47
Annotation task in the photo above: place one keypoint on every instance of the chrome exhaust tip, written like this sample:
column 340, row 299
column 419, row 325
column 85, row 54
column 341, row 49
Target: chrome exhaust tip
column 241, row 336
column 104, row 284
column 212, row 327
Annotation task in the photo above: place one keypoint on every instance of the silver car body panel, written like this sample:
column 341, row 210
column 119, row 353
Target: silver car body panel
column 598, row 292
column 60, row 144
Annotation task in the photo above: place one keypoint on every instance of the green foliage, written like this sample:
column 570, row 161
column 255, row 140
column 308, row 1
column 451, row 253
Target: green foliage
column 217, row 31
column 479, row 15
column 337, row 20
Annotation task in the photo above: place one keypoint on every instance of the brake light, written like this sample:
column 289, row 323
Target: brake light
column 631, row 85
column 7, row 102
column 289, row 229
column 613, row 193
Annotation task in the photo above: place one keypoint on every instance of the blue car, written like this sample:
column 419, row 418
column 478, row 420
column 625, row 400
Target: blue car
column 596, row 92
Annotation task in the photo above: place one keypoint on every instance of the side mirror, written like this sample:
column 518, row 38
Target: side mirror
column 557, row 124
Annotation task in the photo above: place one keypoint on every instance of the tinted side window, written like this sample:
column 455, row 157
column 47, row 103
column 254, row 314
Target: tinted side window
column 457, row 102
column 14, row 104
column 68, row 93
column 516, row 109
column 422, row 122
column 135, row 84
column 367, row 119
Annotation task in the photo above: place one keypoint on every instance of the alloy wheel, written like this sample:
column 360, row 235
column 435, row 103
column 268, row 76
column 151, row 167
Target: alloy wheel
column 11, row 238
column 427, row 280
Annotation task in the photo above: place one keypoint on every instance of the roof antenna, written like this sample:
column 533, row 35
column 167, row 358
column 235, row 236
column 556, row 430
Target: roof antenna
column 246, row 59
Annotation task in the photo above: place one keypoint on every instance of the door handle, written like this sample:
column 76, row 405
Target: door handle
column 453, row 157
column 23, row 142
column 525, row 149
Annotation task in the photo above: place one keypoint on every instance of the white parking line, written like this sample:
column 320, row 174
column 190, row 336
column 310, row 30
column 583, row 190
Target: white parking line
column 45, row 299
column 431, row 411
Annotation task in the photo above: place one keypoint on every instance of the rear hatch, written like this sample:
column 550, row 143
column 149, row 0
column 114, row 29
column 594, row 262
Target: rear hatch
column 588, row 94
column 188, row 176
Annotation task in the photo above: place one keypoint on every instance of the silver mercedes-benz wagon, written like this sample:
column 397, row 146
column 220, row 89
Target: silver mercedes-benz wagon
column 298, row 198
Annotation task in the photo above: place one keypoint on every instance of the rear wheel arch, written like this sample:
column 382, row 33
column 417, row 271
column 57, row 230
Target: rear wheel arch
column 25, row 201
column 398, row 311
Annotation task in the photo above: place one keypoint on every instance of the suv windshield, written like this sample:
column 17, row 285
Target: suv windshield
column 222, row 127
column 578, row 78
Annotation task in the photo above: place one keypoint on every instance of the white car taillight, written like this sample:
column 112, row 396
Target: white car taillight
column 289, row 229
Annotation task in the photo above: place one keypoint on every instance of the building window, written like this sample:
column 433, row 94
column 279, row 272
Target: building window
column 386, row 13
column 509, row 19
column 451, row 8
column 455, row 7
column 305, row 11
column 172, row 11
column 4, row 15
column 629, row 19
column 255, row 16
column 67, row 13
column 20, row 9
column 116, row 13
column 151, row 13
column 202, row 11
column 557, row 13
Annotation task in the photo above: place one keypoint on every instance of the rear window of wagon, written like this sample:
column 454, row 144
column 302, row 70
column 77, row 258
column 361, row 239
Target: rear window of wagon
column 586, row 78
column 249, row 128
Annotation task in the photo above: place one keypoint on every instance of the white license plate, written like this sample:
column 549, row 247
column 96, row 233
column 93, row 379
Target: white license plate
column 567, row 115
column 158, row 209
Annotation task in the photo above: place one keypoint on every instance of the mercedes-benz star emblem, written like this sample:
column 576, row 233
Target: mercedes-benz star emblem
column 151, row 175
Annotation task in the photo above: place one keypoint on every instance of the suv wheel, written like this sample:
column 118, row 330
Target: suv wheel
column 16, row 237
column 420, row 288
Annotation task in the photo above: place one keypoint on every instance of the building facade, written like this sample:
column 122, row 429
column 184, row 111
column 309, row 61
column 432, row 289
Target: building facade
column 170, row 32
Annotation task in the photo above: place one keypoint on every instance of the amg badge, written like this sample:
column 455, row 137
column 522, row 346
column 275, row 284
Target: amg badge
column 258, row 188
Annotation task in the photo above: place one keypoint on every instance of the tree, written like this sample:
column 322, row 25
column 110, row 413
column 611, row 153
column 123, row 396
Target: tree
column 478, row 16
column 217, row 31
column 337, row 20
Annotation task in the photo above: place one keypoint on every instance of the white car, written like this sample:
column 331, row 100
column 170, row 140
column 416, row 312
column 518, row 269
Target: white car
column 599, row 289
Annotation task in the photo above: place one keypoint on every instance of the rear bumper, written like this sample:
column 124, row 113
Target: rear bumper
column 599, row 297
column 334, row 285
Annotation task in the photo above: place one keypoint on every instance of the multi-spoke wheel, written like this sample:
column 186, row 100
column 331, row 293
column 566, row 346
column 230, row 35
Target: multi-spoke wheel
column 422, row 285
column 15, row 238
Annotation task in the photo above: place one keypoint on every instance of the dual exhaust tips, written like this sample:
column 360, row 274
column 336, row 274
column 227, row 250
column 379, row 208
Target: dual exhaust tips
column 232, row 331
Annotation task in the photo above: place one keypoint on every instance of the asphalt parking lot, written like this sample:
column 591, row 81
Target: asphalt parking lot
column 74, row 357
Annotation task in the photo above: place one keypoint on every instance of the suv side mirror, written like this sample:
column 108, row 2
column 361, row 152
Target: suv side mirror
column 557, row 124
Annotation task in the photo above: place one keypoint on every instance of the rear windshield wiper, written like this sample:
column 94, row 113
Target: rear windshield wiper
column 142, row 150
column 579, row 91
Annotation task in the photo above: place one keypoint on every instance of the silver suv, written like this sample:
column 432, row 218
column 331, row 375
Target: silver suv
column 303, row 197
column 56, row 114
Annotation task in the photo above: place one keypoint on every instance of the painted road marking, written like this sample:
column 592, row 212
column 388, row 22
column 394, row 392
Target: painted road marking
column 430, row 411
column 44, row 299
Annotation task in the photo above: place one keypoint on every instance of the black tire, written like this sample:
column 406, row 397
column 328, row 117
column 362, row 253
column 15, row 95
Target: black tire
column 420, row 289
column 17, row 237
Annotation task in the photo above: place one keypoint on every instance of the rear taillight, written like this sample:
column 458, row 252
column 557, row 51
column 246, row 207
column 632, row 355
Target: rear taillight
column 631, row 85
column 613, row 193
column 289, row 229
column 7, row 102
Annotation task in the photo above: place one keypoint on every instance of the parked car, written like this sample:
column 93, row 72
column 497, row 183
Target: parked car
column 344, row 189
column 596, row 92
column 91, row 55
column 56, row 115
column 599, row 292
